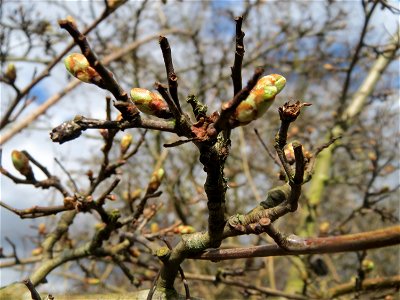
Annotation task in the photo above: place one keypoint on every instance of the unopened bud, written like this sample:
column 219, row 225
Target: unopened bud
column 11, row 73
column 367, row 265
column 155, row 181
column 21, row 164
column 37, row 251
column 154, row 228
column 78, row 66
column 42, row 229
column 126, row 141
column 184, row 229
column 324, row 228
column 259, row 100
column 150, row 103
column 92, row 281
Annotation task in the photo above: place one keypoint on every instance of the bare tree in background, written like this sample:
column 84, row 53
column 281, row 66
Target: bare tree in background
column 184, row 187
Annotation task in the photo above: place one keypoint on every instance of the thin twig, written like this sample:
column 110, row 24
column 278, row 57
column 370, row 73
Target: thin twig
column 76, row 189
column 17, row 261
column 169, row 67
column 153, row 286
column 266, row 148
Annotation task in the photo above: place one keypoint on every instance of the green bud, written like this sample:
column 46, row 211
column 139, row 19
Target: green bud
column 155, row 181
column 11, row 73
column 78, row 66
column 259, row 100
column 150, row 103
column 367, row 265
column 126, row 141
column 21, row 164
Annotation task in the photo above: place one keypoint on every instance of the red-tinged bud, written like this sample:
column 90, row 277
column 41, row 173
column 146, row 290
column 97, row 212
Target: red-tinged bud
column 126, row 141
column 155, row 181
column 150, row 103
column 11, row 73
column 111, row 197
column 104, row 133
column 78, row 66
column 259, row 100
column 184, row 229
column 21, row 164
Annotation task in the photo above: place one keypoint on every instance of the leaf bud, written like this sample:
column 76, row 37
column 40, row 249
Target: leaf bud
column 150, row 103
column 11, row 73
column 155, row 181
column 324, row 228
column 259, row 100
column 184, row 229
column 78, row 66
column 21, row 164
column 125, row 143
column 42, row 229
column 37, row 251
column 367, row 265
column 154, row 227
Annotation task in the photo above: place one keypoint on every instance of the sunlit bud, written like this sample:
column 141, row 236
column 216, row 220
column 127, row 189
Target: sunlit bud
column 150, row 103
column 372, row 156
column 184, row 229
column 324, row 228
column 260, row 99
column 113, row 4
column 154, row 228
column 328, row 67
column 367, row 265
column 99, row 226
column 155, row 181
column 78, row 66
column 71, row 19
column 289, row 153
column 92, row 281
column 37, row 251
column 111, row 197
column 126, row 141
column 119, row 117
column 42, row 229
column 389, row 169
column 11, row 73
column 21, row 163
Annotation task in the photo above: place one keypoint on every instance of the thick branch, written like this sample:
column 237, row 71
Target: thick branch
column 344, row 243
